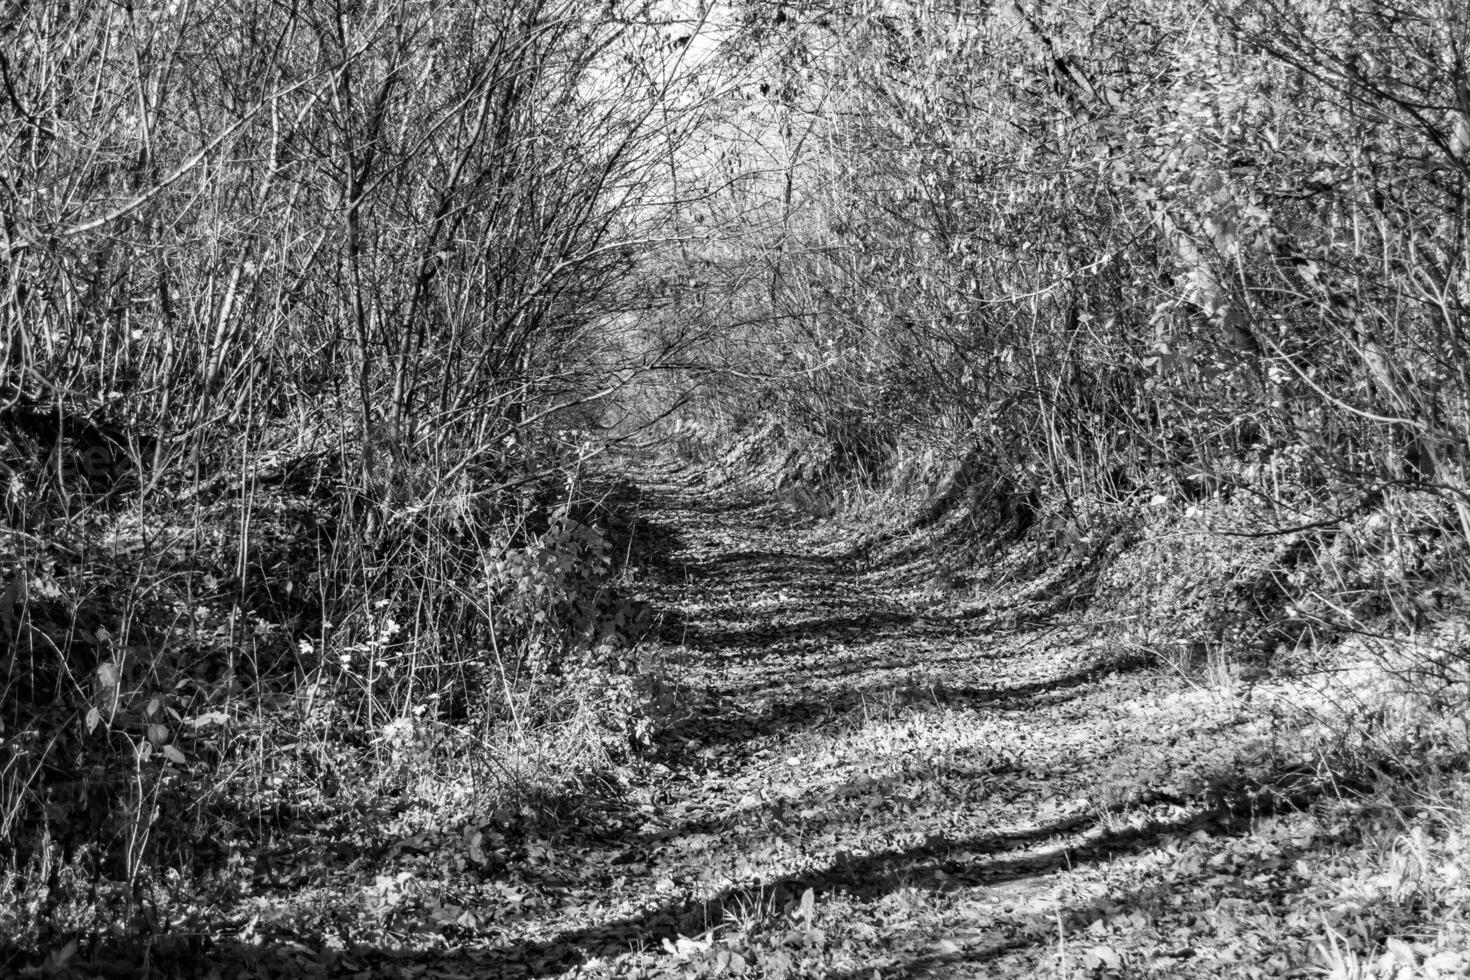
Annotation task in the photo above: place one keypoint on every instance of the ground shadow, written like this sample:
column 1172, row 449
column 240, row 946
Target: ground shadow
column 984, row 860
column 727, row 722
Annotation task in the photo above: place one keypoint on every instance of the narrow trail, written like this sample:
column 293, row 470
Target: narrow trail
column 871, row 781
column 866, row 777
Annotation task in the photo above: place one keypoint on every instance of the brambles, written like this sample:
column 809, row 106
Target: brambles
column 307, row 313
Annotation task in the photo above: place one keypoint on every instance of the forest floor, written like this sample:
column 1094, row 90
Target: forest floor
column 865, row 776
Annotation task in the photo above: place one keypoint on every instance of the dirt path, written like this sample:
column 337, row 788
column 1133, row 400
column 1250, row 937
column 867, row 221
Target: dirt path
column 873, row 781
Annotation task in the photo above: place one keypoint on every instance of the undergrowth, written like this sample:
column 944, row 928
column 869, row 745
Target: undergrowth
column 191, row 679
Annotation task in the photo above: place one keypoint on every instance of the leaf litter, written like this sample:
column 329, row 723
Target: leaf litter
column 870, row 780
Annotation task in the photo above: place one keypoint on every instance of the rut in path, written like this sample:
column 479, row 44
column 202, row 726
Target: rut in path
column 955, row 794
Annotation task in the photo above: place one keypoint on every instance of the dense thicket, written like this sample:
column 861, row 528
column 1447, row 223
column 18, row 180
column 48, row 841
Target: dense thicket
column 1154, row 234
column 308, row 309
